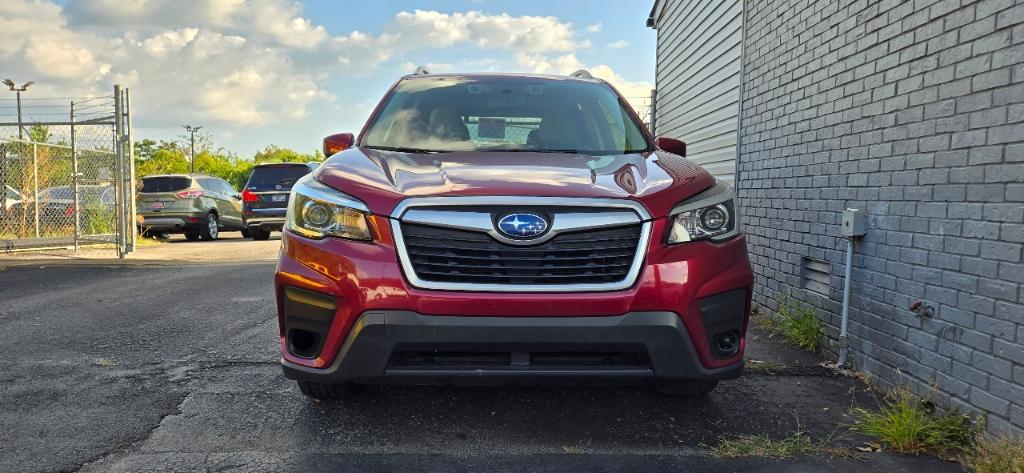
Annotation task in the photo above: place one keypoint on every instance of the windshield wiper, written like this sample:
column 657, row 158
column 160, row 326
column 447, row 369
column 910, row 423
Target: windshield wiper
column 529, row 150
column 407, row 150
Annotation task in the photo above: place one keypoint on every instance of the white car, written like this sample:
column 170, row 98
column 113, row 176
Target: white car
column 13, row 198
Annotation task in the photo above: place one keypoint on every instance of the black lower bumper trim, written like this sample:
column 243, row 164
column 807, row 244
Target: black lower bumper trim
column 369, row 353
column 269, row 225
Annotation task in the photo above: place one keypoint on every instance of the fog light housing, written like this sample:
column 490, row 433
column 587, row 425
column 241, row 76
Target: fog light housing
column 727, row 343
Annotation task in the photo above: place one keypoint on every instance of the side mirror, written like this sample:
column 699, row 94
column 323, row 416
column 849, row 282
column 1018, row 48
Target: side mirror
column 671, row 145
column 337, row 143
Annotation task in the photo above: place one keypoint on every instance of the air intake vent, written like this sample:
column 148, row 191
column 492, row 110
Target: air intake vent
column 816, row 276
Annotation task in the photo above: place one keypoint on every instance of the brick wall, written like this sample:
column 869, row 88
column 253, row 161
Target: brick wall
column 914, row 111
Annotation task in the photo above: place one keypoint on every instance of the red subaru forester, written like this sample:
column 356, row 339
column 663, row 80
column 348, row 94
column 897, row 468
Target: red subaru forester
column 492, row 228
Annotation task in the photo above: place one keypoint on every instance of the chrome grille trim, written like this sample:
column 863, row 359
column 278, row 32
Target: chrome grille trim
column 614, row 216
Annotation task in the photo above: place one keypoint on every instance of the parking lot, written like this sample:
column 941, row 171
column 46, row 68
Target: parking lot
column 169, row 361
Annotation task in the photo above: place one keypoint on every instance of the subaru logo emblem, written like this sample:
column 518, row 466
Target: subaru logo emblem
column 522, row 225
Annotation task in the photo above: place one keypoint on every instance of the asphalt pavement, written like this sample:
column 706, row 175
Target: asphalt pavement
column 174, row 367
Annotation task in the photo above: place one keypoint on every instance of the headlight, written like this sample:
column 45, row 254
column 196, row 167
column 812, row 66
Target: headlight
column 317, row 211
column 710, row 215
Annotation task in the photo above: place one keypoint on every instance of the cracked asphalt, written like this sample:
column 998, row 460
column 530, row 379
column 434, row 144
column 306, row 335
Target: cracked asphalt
column 142, row 367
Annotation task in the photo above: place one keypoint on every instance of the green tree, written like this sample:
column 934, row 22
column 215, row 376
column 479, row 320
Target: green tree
column 39, row 133
column 144, row 149
column 162, row 161
column 276, row 154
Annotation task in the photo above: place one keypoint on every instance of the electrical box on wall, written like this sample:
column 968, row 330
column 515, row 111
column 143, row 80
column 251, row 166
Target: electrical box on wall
column 854, row 223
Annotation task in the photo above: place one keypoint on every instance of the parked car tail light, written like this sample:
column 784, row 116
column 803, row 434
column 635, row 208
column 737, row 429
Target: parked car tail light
column 189, row 194
column 249, row 196
column 69, row 211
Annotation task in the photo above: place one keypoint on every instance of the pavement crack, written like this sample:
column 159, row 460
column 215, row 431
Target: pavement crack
column 128, row 446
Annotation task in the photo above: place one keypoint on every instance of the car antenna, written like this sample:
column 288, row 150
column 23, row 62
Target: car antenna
column 582, row 74
column 421, row 71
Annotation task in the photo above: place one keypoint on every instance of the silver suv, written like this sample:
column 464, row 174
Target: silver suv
column 197, row 205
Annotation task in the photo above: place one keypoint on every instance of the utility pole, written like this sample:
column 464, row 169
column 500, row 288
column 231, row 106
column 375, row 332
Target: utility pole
column 18, row 90
column 192, row 134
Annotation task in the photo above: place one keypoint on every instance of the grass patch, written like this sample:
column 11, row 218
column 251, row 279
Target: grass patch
column 763, row 446
column 909, row 424
column 763, row 366
column 798, row 324
column 104, row 362
column 992, row 455
column 148, row 241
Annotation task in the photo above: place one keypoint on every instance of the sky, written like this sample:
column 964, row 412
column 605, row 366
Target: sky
column 284, row 72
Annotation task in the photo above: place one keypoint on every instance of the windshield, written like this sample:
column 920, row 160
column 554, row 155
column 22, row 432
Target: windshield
column 56, row 193
column 276, row 177
column 453, row 113
column 165, row 184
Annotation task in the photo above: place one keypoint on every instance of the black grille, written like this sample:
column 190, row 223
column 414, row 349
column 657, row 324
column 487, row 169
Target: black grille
column 583, row 257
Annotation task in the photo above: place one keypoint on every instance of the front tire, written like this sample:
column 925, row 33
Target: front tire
column 687, row 388
column 259, row 234
column 327, row 391
column 212, row 229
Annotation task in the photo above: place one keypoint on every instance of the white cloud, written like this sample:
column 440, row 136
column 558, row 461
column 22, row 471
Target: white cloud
column 635, row 91
column 253, row 63
column 278, row 21
column 533, row 34
column 34, row 40
column 181, row 63
column 594, row 28
column 169, row 41
column 282, row 22
column 421, row 30
column 618, row 44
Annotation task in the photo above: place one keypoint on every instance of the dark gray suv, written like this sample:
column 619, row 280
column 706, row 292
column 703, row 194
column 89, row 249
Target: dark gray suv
column 265, row 196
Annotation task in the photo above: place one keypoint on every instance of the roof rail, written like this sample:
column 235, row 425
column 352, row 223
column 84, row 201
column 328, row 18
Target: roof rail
column 420, row 71
column 582, row 73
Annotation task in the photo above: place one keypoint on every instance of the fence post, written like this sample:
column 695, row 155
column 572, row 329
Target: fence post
column 74, row 179
column 119, row 181
column 35, row 185
column 130, row 179
column 654, row 110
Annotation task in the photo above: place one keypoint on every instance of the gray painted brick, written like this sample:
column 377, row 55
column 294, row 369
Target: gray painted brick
column 989, row 402
column 914, row 111
column 1008, row 350
column 1001, row 251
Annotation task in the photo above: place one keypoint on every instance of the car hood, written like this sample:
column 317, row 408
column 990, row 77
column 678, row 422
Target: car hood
column 381, row 179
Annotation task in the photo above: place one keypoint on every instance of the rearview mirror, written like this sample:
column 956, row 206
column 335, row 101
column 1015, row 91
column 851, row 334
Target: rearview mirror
column 337, row 143
column 671, row 145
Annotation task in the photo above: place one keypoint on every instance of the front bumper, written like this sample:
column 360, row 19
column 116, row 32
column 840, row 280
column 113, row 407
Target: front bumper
column 407, row 347
column 359, row 278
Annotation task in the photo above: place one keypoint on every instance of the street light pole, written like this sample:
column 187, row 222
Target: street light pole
column 18, row 90
column 192, row 137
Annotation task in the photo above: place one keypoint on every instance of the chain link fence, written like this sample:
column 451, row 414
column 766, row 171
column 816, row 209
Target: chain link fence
column 645, row 108
column 66, row 173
